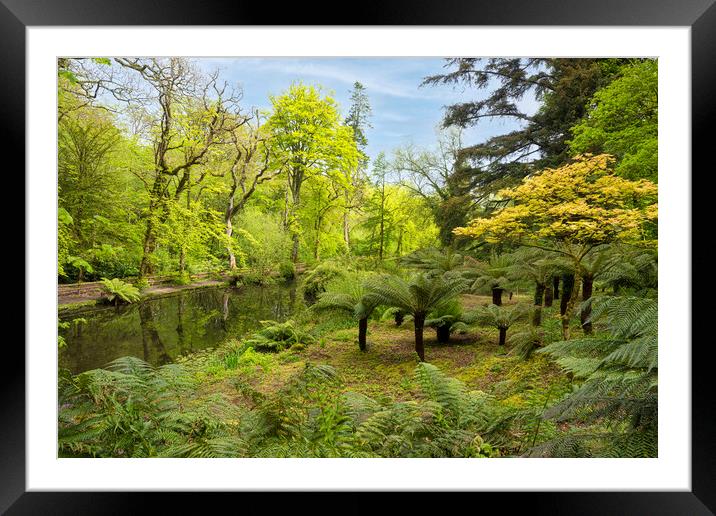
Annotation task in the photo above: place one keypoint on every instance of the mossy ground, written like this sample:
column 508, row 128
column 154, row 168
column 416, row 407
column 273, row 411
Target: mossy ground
column 385, row 370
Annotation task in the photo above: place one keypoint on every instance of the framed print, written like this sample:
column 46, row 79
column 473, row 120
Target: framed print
column 316, row 257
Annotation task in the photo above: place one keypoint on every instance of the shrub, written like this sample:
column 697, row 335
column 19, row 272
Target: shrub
column 117, row 291
column 180, row 278
column 527, row 341
column 287, row 270
column 317, row 280
column 141, row 283
column 500, row 317
column 276, row 336
column 446, row 319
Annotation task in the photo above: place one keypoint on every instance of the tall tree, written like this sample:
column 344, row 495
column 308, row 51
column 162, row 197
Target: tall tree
column 435, row 175
column 189, row 113
column 564, row 88
column 380, row 170
column 622, row 120
column 250, row 166
column 358, row 119
column 308, row 136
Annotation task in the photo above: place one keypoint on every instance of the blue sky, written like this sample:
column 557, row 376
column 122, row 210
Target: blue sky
column 403, row 112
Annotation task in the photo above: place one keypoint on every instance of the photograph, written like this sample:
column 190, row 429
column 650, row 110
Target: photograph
column 357, row 257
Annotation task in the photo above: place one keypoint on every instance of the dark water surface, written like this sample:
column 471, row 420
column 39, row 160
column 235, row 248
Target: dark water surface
column 159, row 330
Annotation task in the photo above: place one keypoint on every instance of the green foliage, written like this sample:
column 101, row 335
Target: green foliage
column 64, row 240
column 261, row 241
column 135, row 410
column 497, row 273
column 347, row 294
column 117, row 291
column 277, row 336
column 622, row 120
column 316, row 280
column 525, row 342
column 419, row 295
column 141, row 284
column 632, row 269
column 180, row 278
column 500, row 316
column 310, row 418
column 80, row 264
column 396, row 314
column 287, row 270
column 614, row 408
column 564, row 87
column 447, row 318
column 250, row 277
column 434, row 261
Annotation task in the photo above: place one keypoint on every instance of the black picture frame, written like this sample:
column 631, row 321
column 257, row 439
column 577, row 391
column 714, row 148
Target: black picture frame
column 699, row 15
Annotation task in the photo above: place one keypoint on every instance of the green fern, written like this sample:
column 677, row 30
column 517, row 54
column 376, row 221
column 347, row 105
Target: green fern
column 277, row 336
column 616, row 401
column 418, row 297
column 117, row 291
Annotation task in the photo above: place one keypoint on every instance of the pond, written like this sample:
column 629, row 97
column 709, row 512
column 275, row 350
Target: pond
column 161, row 329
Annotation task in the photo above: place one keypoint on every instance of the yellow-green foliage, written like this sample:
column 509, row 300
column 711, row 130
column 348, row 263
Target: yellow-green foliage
column 580, row 203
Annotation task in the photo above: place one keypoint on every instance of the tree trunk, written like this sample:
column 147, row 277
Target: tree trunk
column 382, row 238
column 79, row 280
column 570, row 292
column 539, row 294
column 555, row 286
column 346, row 224
column 587, row 286
column 295, row 183
column 548, row 294
column 362, row 332
column 182, row 260
column 294, row 249
column 443, row 333
column 398, row 318
column 145, row 267
column 503, row 336
column 419, row 346
column 497, row 296
column 317, row 248
column 230, row 232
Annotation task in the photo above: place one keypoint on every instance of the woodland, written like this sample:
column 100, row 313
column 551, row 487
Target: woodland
column 485, row 299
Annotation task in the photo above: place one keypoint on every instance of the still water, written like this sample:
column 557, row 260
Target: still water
column 159, row 330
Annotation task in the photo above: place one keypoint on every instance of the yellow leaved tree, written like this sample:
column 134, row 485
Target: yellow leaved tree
column 571, row 210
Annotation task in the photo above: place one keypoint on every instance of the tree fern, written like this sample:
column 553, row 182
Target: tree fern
column 417, row 297
column 117, row 291
column 617, row 395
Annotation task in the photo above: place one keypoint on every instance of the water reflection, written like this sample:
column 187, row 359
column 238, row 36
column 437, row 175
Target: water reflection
column 161, row 329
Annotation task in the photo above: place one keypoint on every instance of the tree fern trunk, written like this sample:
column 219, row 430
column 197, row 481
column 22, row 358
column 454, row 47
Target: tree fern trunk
column 567, row 287
column 443, row 333
column 419, row 346
column 503, row 336
column 555, row 286
column 362, row 333
column 539, row 295
column 587, row 286
column 398, row 317
column 548, row 294
column 537, row 316
column 497, row 296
